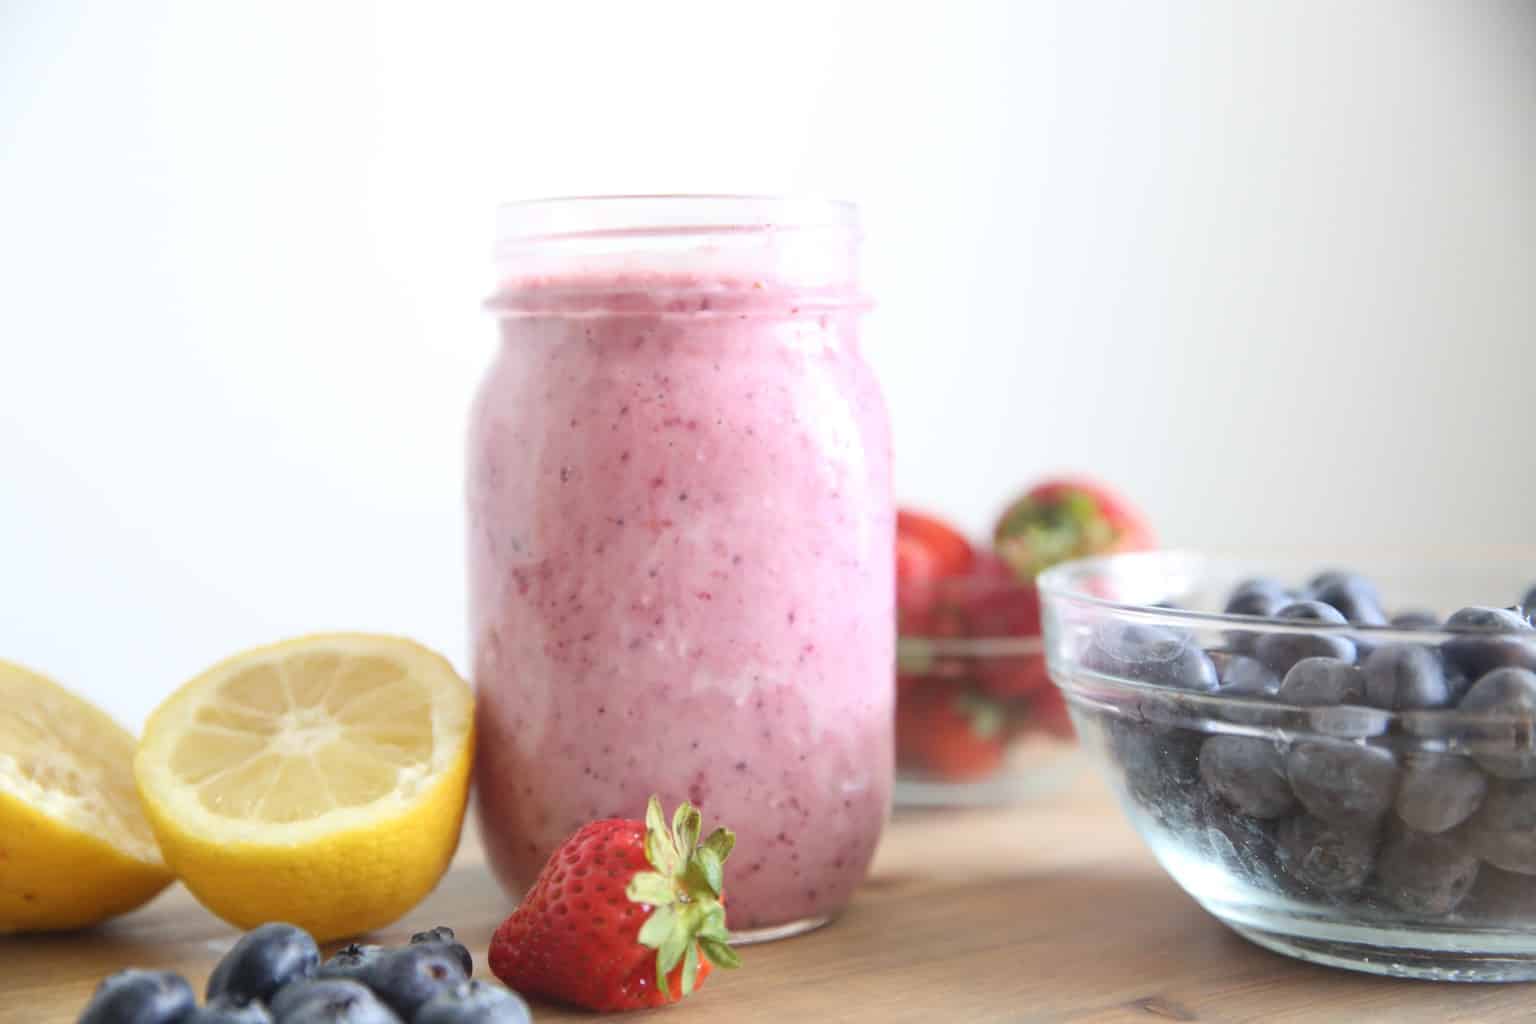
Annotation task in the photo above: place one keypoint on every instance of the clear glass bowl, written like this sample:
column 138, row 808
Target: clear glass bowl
column 1307, row 827
column 977, row 719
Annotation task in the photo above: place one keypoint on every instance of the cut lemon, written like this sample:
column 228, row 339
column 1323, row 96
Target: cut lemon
column 74, row 846
column 319, row 781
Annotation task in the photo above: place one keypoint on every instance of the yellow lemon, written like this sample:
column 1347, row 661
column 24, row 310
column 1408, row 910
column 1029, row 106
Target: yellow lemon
column 74, row 846
column 319, row 781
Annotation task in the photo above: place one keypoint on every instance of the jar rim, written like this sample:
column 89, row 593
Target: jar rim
column 571, row 217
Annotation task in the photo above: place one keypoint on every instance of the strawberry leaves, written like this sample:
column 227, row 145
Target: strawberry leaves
column 714, row 938
column 686, row 824
column 685, row 890
column 722, row 841
column 650, row 887
column 660, row 847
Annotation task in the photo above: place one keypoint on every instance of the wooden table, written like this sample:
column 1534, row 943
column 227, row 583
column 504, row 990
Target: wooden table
column 1049, row 912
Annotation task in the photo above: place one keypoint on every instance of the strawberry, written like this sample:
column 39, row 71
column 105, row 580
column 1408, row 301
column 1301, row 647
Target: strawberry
column 1012, row 675
column 1049, row 710
column 931, row 547
column 993, row 601
column 952, row 735
column 927, row 551
column 1063, row 519
column 626, row 915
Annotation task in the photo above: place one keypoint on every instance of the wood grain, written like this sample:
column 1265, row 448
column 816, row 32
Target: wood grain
column 1050, row 912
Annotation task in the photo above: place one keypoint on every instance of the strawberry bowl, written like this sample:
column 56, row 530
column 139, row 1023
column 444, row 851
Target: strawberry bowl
column 978, row 721
column 1338, row 765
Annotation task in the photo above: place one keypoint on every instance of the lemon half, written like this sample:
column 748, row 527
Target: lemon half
column 319, row 781
column 74, row 846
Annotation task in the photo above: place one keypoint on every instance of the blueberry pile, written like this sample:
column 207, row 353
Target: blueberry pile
column 1370, row 818
column 274, row 975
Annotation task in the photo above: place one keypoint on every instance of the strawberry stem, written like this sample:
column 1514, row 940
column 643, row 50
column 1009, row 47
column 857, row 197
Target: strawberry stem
column 1035, row 534
column 684, row 890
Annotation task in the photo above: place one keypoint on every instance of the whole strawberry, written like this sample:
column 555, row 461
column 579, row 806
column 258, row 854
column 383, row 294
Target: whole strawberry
column 950, row 735
column 1071, row 518
column 626, row 915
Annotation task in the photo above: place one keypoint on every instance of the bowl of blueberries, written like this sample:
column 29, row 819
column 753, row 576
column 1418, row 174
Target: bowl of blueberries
column 1338, row 765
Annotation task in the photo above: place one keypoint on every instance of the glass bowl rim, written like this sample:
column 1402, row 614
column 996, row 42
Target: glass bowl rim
column 1509, row 731
column 991, row 646
column 1055, row 584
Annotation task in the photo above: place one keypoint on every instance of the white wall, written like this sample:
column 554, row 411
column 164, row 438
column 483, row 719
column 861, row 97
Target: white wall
column 1270, row 266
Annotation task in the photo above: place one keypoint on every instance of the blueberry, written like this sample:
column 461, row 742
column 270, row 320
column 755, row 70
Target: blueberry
column 1477, row 618
column 287, row 999
column 1335, row 580
column 1248, row 679
column 1332, row 858
column 1503, row 831
column 441, row 933
column 1456, row 683
column 1353, row 595
column 331, row 1001
column 1349, row 721
column 140, row 997
column 1149, row 654
column 1242, row 676
column 454, row 949
column 1438, row 792
column 1501, row 896
column 1260, row 596
column 1511, row 692
column 229, row 1010
column 1244, row 842
column 350, row 961
column 1425, row 874
column 474, row 1002
column 1157, row 765
column 406, row 978
column 1342, row 782
column 442, row 936
column 263, row 961
column 1405, row 676
column 1476, row 655
column 1247, row 772
column 1282, row 650
column 1322, row 682
column 1415, row 619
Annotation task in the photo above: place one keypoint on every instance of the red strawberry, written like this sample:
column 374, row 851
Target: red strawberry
column 1012, row 675
column 626, row 915
column 991, row 604
column 934, row 549
column 927, row 551
column 1049, row 710
column 1062, row 519
column 952, row 735
column 993, row 601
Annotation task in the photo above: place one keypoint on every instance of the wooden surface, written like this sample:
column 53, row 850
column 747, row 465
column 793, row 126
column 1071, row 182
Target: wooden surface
column 1049, row 912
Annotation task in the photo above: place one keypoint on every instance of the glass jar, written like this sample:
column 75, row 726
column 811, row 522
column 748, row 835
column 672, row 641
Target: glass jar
column 680, row 542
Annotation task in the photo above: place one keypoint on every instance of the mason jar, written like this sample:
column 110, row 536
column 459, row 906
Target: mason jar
column 680, row 542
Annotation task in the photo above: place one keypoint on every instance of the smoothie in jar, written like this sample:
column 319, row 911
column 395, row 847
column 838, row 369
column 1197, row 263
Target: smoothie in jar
column 681, row 536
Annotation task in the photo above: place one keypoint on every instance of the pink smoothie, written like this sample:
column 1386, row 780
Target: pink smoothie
column 681, row 577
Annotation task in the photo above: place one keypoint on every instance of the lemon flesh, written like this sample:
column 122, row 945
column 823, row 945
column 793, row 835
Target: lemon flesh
column 319, row 781
column 75, row 848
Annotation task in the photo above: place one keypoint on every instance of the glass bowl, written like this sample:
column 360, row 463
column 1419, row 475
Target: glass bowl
column 1393, row 841
column 977, row 719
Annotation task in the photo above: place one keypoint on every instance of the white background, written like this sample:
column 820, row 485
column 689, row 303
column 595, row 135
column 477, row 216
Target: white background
column 1269, row 267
